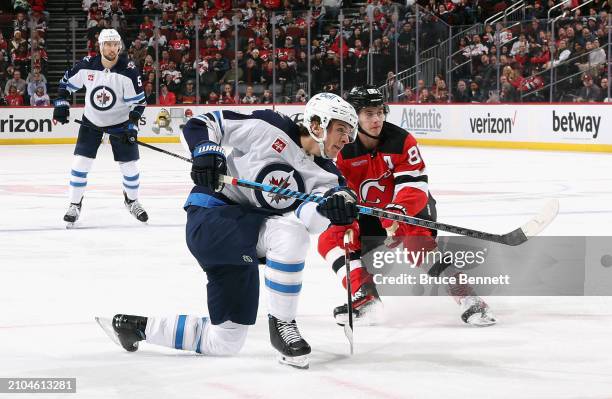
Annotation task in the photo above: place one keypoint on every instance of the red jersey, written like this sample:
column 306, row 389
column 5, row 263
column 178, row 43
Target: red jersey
column 392, row 173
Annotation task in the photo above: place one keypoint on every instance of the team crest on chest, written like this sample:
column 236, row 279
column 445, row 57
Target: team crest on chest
column 280, row 175
column 372, row 191
column 102, row 98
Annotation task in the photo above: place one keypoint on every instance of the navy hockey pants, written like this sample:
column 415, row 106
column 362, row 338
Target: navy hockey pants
column 89, row 141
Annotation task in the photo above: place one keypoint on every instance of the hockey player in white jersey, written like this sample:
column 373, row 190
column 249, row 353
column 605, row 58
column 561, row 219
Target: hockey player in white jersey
column 231, row 230
column 114, row 103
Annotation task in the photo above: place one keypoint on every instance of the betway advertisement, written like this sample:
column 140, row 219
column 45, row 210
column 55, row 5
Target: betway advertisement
column 530, row 126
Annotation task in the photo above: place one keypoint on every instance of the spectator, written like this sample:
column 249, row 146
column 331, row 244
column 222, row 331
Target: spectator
column 408, row 96
column 249, row 96
column 228, row 95
column 563, row 54
column 230, row 75
column 475, row 94
column 213, row 98
column 461, row 94
column 16, row 41
column 158, row 39
column 39, row 98
column 13, row 97
column 604, row 90
column 35, row 83
column 188, row 94
column 590, row 92
column 186, row 67
column 219, row 65
column 252, row 72
column 166, row 97
column 150, row 96
column 266, row 98
column 301, row 97
column 20, row 84
column 139, row 53
column 425, row 96
column 476, row 49
column 440, row 92
column 393, row 87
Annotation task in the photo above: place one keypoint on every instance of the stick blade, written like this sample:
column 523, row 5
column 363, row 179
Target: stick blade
column 534, row 226
column 348, row 331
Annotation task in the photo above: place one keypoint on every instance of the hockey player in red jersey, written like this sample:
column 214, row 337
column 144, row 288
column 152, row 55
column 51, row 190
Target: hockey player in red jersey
column 384, row 167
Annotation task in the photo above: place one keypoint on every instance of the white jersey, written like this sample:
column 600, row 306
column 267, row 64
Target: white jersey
column 110, row 94
column 265, row 149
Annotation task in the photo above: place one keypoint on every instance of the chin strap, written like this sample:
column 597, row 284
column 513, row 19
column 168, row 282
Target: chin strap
column 322, row 148
column 368, row 134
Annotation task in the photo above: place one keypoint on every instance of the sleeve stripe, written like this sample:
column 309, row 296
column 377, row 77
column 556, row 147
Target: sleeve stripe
column 413, row 173
column 411, row 179
column 423, row 186
column 138, row 97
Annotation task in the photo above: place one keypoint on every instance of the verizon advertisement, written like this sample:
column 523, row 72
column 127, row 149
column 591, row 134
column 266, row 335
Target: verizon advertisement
column 536, row 126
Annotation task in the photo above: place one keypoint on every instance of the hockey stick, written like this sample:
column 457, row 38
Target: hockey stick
column 172, row 154
column 348, row 327
column 516, row 237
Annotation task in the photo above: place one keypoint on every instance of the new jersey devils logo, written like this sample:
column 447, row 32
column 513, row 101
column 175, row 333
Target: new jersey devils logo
column 372, row 191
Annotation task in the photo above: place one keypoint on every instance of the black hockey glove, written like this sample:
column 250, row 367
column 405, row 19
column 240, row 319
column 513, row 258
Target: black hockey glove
column 61, row 112
column 340, row 206
column 135, row 117
column 131, row 134
column 209, row 163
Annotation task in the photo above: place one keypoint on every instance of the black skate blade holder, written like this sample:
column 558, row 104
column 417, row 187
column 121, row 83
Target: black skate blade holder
column 348, row 327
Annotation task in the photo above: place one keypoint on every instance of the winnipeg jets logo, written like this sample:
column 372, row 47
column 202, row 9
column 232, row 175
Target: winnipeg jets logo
column 102, row 98
column 283, row 176
column 283, row 182
column 372, row 191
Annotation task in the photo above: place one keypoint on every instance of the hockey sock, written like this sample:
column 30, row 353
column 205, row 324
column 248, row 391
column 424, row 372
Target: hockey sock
column 283, row 285
column 131, row 179
column 78, row 177
column 192, row 333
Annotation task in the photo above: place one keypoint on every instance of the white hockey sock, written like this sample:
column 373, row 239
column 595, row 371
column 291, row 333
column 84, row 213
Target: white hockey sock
column 335, row 257
column 131, row 178
column 78, row 177
column 283, row 285
column 196, row 334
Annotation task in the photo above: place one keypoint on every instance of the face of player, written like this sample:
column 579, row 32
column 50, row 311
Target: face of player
column 338, row 135
column 371, row 120
column 110, row 50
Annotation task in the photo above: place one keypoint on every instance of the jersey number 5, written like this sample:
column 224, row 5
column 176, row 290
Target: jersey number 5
column 414, row 158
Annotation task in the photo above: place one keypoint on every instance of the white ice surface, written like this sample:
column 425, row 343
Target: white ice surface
column 54, row 281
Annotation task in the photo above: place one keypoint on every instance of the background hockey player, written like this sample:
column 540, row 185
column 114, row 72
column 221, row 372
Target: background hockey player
column 114, row 94
column 231, row 229
column 384, row 167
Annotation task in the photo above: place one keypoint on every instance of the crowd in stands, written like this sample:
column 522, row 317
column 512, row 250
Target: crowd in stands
column 216, row 67
column 23, row 58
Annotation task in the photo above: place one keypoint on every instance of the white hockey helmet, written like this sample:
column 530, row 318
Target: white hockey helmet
column 324, row 107
column 109, row 35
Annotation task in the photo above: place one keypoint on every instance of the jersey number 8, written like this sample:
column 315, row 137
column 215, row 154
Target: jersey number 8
column 414, row 158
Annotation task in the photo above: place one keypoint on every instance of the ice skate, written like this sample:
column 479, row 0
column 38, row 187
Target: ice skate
column 285, row 337
column 476, row 312
column 124, row 330
column 73, row 213
column 367, row 307
column 134, row 207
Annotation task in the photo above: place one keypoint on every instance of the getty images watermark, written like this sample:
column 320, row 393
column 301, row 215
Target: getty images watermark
column 411, row 259
column 546, row 265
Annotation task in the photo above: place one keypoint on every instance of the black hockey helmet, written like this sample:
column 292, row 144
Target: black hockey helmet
column 366, row 96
